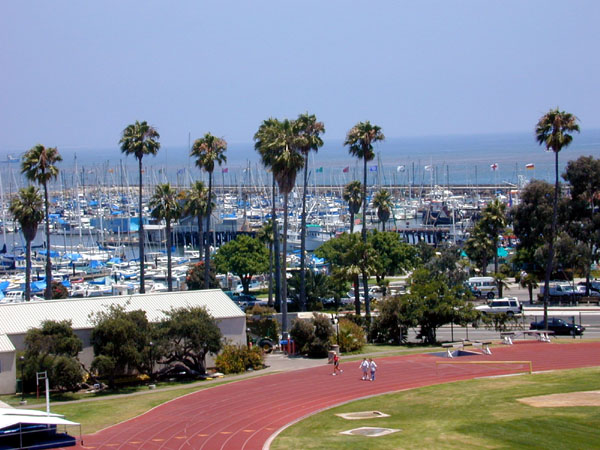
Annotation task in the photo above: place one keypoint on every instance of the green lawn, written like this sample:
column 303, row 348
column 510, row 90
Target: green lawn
column 481, row 413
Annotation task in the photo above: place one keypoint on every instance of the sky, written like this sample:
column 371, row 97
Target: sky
column 74, row 74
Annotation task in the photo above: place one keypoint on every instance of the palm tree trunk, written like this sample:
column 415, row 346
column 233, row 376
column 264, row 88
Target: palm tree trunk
column 207, row 244
column 200, row 236
column 169, row 273
column 48, row 293
column 284, row 324
column 276, row 250
column 551, row 247
column 356, row 297
column 303, row 240
column 364, row 236
column 351, row 221
column 270, row 301
column 141, row 234
column 27, row 270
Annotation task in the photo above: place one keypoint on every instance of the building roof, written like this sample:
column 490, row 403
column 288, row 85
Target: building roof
column 6, row 346
column 17, row 318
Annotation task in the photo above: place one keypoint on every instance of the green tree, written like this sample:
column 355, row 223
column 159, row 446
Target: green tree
column 208, row 150
column 26, row 208
column 554, row 131
column 39, row 165
column 120, row 339
column 353, row 196
column 165, row 205
column 191, row 333
column 317, row 288
column 383, row 202
column 529, row 281
column 394, row 319
column 583, row 213
column 309, row 132
column 54, row 348
column 195, row 205
column 360, row 140
column 140, row 139
column 493, row 222
column 279, row 152
column 480, row 247
column 393, row 256
column 245, row 257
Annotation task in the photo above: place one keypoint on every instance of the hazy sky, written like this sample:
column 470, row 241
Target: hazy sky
column 73, row 74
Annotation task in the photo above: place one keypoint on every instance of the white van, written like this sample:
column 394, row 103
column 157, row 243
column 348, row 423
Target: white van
column 483, row 286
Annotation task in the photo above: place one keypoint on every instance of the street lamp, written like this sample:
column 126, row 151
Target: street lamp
column 22, row 359
column 151, row 344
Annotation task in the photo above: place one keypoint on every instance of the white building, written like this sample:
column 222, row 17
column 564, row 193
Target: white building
column 16, row 319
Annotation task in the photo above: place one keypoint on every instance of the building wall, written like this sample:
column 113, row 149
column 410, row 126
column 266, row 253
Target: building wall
column 8, row 373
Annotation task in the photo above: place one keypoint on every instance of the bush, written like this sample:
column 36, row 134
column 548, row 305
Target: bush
column 312, row 337
column 67, row 374
column 318, row 348
column 59, row 291
column 261, row 322
column 302, row 332
column 351, row 336
column 323, row 327
column 239, row 358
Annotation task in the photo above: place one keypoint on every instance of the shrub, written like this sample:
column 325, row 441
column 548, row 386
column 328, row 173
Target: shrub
column 302, row 332
column 351, row 336
column 323, row 327
column 261, row 322
column 312, row 337
column 239, row 358
column 67, row 374
column 59, row 290
column 318, row 348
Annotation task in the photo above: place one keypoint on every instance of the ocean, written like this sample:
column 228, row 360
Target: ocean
column 486, row 159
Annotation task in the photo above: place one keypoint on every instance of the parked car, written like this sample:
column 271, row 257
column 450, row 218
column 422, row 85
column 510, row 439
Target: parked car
column 594, row 286
column 483, row 286
column 509, row 306
column 559, row 326
column 581, row 290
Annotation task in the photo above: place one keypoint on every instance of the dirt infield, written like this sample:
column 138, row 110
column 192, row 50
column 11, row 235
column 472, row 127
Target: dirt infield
column 586, row 398
column 246, row 414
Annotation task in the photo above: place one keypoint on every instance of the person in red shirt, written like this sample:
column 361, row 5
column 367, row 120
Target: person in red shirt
column 336, row 364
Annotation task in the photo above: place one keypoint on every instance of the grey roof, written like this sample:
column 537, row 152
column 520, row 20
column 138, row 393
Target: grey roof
column 6, row 346
column 17, row 318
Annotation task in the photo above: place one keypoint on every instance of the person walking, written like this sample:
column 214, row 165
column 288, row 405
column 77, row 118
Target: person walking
column 336, row 364
column 364, row 365
column 372, row 368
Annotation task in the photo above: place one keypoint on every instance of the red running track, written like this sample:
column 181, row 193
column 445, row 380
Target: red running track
column 244, row 414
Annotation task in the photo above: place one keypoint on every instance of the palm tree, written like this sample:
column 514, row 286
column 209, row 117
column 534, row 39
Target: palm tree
column 140, row 139
column 553, row 130
column 353, row 195
column 164, row 204
column 383, row 202
column 279, row 152
column 27, row 210
column 265, row 235
column 208, row 150
column 529, row 281
column 195, row 205
column 38, row 165
column 360, row 141
column 493, row 222
column 308, row 130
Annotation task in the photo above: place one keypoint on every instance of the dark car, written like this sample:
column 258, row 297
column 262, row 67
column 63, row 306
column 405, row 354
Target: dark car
column 559, row 326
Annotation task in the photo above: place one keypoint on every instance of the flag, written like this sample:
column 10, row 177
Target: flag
column 346, row 169
column 493, row 166
column 225, row 170
column 530, row 166
column 319, row 170
column 180, row 171
column 400, row 169
column 373, row 169
column 428, row 168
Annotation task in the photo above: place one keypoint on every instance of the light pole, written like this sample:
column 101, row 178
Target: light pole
column 22, row 359
column 151, row 344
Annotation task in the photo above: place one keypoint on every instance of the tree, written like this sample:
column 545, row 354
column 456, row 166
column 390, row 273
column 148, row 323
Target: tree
column 309, row 131
column 583, row 212
column 353, row 196
column 393, row 257
column 553, row 130
column 120, row 339
column 265, row 235
column 140, row 139
column 194, row 279
column 54, row 348
column 191, row 333
column 317, row 288
column 39, row 165
column 529, row 281
column 493, row 222
column 360, row 140
column 480, row 247
column 195, row 205
column 208, row 150
column 26, row 208
column 383, row 202
column 278, row 147
column 312, row 337
column 165, row 205
column 245, row 257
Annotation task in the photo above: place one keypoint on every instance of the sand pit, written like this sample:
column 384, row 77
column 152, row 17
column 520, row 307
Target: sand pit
column 585, row 398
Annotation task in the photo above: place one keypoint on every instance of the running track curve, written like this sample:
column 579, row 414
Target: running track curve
column 245, row 414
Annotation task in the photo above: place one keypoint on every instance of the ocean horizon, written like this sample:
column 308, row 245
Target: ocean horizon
column 500, row 159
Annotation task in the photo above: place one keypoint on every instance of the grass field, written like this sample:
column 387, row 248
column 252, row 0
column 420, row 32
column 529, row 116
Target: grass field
column 480, row 413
